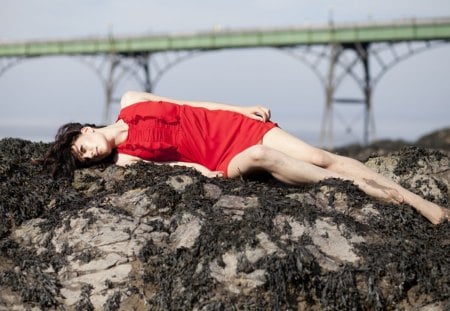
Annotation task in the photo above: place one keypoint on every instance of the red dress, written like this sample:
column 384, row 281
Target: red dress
column 162, row 131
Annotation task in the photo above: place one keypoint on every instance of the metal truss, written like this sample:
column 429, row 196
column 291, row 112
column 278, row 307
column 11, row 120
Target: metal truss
column 8, row 62
column 146, row 69
column 365, row 64
column 386, row 55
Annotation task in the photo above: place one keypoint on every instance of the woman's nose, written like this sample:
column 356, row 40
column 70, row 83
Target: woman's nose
column 89, row 154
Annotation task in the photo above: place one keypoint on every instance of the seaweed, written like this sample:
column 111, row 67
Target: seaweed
column 404, row 259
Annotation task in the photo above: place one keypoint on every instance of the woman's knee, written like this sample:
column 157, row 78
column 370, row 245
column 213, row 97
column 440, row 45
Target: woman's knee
column 253, row 159
column 259, row 154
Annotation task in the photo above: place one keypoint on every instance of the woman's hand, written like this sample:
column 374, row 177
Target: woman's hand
column 212, row 174
column 200, row 168
column 259, row 113
column 205, row 171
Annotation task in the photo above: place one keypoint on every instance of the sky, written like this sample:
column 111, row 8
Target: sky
column 40, row 94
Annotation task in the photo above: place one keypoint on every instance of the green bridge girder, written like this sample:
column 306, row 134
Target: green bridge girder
column 409, row 30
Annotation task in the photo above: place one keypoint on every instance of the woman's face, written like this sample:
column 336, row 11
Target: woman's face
column 91, row 145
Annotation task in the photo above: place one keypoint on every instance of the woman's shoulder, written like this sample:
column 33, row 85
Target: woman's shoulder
column 129, row 98
column 150, row 109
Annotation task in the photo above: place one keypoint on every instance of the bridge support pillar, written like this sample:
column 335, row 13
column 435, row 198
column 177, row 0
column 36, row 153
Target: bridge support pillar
column 332, row 83
column 145, row 68
column 143, row 61
column 110, row 86
column 119, row 67
column 326, row 133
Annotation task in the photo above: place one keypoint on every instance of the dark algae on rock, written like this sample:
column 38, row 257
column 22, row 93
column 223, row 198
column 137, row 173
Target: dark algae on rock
column 150, row 237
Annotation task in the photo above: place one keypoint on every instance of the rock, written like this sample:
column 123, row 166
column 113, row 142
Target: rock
column 186, row 234
column 134, row 201
column 101, row 250
column 212, row 191
column 235, row 206
column 151, row 237
column 180, row 182
column 234, row 281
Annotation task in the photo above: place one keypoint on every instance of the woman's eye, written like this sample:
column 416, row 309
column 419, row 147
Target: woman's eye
column 82, row 150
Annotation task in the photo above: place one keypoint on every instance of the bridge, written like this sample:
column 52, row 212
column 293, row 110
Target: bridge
column 372, row 46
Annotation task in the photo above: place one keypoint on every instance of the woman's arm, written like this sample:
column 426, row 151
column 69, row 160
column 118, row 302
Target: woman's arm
column 254, row 112
column 198, row 167
column 125, row 159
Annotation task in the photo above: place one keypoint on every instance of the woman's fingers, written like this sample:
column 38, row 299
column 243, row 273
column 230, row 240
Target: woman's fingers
column 213, row 174
column 266, row 113
column 261, row 113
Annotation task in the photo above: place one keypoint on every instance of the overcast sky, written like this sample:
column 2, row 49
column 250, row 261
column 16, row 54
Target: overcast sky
column 40, row 94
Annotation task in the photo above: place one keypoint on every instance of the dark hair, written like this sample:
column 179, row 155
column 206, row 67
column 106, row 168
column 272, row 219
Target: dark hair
column 60, row 158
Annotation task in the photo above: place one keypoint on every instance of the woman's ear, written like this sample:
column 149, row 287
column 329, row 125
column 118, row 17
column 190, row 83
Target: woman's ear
column 87, row 129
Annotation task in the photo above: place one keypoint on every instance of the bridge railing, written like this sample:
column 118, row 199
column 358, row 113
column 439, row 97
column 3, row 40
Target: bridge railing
column 408, row 30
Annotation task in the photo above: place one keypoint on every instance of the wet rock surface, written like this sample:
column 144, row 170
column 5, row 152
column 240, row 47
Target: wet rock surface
column 152, row 237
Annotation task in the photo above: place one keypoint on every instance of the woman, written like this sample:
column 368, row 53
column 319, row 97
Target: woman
column 218, row 140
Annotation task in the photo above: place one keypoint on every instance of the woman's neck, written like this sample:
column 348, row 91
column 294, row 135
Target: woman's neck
column 115, row 133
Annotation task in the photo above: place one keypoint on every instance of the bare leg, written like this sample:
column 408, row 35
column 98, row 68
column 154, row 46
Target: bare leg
column 297, row 162
column 348, row 168
column 283, row 167
column 293, row 171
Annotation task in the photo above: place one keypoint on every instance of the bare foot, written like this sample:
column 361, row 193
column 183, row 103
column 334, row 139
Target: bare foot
column 435, row 214
column 446, row 216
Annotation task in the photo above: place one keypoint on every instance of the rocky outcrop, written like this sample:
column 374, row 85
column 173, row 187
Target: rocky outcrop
column 159, row 238
column 437, row 140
